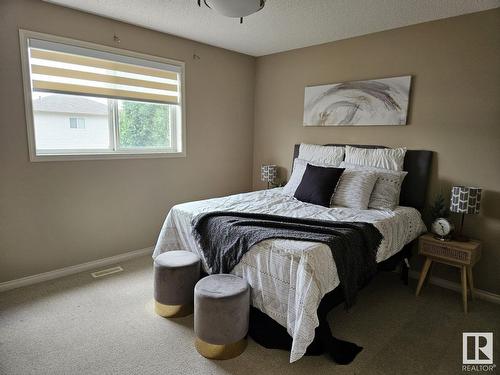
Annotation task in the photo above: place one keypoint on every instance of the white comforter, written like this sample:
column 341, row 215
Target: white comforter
column 289, row 278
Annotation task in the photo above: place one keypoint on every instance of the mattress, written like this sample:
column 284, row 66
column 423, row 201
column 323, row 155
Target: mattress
column 289, row 278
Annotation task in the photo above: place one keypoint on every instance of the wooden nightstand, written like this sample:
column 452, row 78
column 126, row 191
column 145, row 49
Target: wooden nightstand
column 458, row 254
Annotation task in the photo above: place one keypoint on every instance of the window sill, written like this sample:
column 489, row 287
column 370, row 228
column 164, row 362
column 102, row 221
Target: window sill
column 106, row 156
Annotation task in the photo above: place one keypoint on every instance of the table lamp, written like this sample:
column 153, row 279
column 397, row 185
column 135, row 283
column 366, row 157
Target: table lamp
column 465, row 200
column 268, row 173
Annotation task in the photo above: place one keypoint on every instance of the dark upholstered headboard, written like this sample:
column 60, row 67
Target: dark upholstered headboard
column 418, row 165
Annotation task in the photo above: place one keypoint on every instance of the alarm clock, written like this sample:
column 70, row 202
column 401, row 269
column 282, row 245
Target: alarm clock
column 442, row 228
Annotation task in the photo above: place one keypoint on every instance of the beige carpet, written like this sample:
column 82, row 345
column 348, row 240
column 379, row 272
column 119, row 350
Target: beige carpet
column 80, row 325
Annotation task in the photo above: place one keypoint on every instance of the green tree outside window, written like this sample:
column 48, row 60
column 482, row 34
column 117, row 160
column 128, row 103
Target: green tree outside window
column 144, row 124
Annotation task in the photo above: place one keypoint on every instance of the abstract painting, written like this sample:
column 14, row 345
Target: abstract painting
column 374, row 102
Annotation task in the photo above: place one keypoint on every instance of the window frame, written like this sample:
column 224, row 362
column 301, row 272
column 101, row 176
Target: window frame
column 118, row 153
column 77, row 122
column 114, row 113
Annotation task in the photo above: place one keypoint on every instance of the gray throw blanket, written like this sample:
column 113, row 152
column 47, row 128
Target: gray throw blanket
column 224, row 237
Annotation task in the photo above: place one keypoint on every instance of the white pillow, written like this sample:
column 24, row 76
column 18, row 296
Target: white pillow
column 354, row 189
column 386, row 158
column 299, row 167
column 385, row 194
column 330, row 156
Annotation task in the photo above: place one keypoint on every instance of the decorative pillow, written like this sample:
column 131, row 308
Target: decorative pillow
column 354, row 189
column 326, row 155
column 385, row 194
column 386, row 158
column 299, row 167
column 318, row 184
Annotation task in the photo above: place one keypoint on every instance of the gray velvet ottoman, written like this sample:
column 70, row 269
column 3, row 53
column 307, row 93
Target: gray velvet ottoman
column 175, row 275
column 221, row 313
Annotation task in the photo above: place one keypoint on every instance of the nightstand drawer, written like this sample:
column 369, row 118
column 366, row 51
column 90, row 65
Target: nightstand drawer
column 444, row 252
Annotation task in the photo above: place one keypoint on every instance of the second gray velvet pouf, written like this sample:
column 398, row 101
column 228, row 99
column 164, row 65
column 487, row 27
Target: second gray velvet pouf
column 175, row 275
column 221, row 314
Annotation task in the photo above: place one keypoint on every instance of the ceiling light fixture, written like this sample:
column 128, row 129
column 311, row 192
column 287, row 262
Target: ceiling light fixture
column 234, row 8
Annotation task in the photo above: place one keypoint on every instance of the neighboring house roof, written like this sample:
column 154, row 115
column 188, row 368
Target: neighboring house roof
column 69, row 104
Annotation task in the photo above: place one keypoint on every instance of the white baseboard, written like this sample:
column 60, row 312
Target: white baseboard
column 61, row 272
column 481, row 294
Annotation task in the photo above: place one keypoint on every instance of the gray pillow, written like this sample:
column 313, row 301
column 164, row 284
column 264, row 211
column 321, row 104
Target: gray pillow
column 354, row 189
column 385, row 194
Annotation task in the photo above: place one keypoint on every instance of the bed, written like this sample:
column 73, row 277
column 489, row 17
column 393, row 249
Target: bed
column 290, row 279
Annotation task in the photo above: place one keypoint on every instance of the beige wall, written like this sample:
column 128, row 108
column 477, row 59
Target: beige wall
column 53, row 214
column 56, row 214
column 454, row 108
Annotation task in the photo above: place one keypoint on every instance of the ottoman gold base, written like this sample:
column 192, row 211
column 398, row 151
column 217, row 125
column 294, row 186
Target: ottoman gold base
column 173, row 311
column 226, row 351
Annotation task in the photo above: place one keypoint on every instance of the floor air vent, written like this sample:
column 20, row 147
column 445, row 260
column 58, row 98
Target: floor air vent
column 106, row 272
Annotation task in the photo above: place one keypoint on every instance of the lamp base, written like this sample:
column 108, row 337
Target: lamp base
column 442, row 238
column 461, row 238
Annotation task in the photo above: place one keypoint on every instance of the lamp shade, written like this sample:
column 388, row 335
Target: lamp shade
column 465, row 199
column 268, row 173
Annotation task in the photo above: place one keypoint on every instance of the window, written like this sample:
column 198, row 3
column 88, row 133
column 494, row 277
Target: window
column 76, row 123
column 117, row 103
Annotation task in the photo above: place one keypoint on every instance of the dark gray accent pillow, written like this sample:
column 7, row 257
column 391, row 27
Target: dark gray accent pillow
column 318, row 185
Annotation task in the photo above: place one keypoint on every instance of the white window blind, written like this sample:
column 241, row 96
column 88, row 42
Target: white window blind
column 124, row 104
column 66, row 69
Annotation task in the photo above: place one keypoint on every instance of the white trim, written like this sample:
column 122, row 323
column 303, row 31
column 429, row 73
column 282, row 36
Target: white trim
column 61, row 272
column 481, row 294
column 105, row 156
column 25, row 35
column 28, row 100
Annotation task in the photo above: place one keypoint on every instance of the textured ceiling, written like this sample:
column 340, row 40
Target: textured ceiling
column 282, row 24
